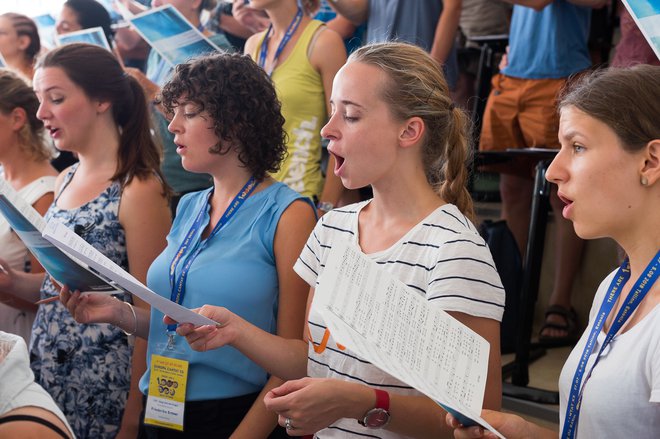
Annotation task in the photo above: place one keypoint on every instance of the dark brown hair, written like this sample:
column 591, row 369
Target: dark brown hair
column 240, row 98
column 24, row 26
column 98, row 73
column 625, row 99
column 91, row 13
column 417, row 87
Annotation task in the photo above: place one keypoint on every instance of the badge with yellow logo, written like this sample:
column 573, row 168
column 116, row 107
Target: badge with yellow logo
column 167, row 392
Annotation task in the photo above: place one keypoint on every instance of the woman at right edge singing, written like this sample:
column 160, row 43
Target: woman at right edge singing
column 608, row 173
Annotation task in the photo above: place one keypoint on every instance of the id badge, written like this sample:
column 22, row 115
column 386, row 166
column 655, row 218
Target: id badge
column 167, row 392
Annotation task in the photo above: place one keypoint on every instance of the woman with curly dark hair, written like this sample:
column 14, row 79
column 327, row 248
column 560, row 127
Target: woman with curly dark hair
column 233, row 245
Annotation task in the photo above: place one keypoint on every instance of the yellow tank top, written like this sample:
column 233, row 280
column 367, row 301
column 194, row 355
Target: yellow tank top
column 300, row 89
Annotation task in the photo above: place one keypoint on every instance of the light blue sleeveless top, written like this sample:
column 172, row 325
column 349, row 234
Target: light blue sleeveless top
column 237, row 271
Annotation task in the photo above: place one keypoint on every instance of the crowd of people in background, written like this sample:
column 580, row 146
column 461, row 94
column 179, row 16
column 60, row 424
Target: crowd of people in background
column 223, row 183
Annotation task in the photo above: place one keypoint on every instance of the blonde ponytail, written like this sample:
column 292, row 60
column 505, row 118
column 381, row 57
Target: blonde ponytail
column 417, row 87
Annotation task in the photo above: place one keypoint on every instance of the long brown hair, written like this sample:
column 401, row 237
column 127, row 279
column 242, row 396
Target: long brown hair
column 100, row 76
column 417, row 87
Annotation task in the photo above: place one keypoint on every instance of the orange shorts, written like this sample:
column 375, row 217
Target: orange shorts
column 521, row 113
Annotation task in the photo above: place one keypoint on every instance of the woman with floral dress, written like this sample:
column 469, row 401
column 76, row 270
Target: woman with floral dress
column 116, row 200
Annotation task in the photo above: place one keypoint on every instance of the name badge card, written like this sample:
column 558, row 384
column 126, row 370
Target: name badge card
column 167, row 392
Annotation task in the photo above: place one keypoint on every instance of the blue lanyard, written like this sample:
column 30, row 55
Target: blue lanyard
column 293, row 26
column 178, row 285
column 635, row 297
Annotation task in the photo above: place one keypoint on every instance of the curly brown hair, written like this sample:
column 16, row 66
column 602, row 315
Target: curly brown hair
column 240, row 98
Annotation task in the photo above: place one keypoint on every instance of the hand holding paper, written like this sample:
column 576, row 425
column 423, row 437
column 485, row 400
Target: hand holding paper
column 66, row 239
column 509, row 425
column 376, row 316
column 90, row 307
column 204, row 338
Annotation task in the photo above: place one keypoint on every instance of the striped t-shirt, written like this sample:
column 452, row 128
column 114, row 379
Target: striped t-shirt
column 442, row 258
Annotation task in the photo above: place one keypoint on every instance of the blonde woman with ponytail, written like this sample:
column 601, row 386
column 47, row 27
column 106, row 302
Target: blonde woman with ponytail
column 394, row 127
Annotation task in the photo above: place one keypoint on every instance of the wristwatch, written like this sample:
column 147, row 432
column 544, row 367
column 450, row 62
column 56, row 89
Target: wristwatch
column 379, row 416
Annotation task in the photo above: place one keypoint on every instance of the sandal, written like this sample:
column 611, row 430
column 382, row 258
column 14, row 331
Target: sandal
column 570, row 327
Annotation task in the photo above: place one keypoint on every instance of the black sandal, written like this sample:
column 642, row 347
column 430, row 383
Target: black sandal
column 571, row 327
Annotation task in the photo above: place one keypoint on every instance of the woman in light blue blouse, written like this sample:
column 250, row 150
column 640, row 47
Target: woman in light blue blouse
column 233, row 245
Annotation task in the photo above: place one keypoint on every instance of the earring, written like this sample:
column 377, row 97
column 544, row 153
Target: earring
column 644, row 181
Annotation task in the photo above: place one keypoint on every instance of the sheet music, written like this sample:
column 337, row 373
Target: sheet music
column 378, row 317
column 67, row 240
column 646, row 14
column 46, row 26
column 169, row 33
column 28, row 224
column 93, row 35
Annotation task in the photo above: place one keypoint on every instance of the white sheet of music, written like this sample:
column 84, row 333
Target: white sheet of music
column 65, row 239
column 396, row 329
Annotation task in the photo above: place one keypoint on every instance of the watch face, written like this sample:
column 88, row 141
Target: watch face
column 376, row 418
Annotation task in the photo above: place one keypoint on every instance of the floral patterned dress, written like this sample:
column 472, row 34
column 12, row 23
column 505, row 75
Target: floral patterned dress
column 85, row 368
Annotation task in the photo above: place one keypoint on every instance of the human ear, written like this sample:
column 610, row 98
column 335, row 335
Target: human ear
column 412, row 132
column 650, row 171
column 102, row 106
column 18, row 118
column 23, row 42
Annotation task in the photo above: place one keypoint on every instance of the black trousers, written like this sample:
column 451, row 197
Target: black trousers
column 215, row 419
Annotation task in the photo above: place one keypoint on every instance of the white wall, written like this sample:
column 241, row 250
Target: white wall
column 31, row 8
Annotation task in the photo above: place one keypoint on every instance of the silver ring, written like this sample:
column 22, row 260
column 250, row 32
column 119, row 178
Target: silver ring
column 287, row 424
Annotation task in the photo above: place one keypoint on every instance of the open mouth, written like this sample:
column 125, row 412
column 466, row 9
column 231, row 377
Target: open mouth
column 564, row 199
column 179, row 147
column 568, row 204
column 339, row 162
column 53, row 131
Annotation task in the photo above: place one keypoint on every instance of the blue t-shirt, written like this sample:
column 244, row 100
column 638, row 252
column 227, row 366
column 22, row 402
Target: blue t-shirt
column 237, row 271
column 412, row 21
column 550, row 43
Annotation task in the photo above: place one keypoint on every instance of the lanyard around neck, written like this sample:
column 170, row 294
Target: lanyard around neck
column 635, row 297
column 290, row 30
column 178, row 284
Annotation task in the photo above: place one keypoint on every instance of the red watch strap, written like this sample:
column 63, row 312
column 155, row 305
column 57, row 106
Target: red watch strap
column 382, row 400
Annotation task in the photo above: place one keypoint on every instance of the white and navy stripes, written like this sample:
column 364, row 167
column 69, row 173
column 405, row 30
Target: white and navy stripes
column 442, row 258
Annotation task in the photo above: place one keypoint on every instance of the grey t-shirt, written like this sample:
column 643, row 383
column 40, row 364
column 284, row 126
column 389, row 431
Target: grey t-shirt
column 412, row 21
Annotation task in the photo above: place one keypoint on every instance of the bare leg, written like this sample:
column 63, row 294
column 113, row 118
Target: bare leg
column 516, row 195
